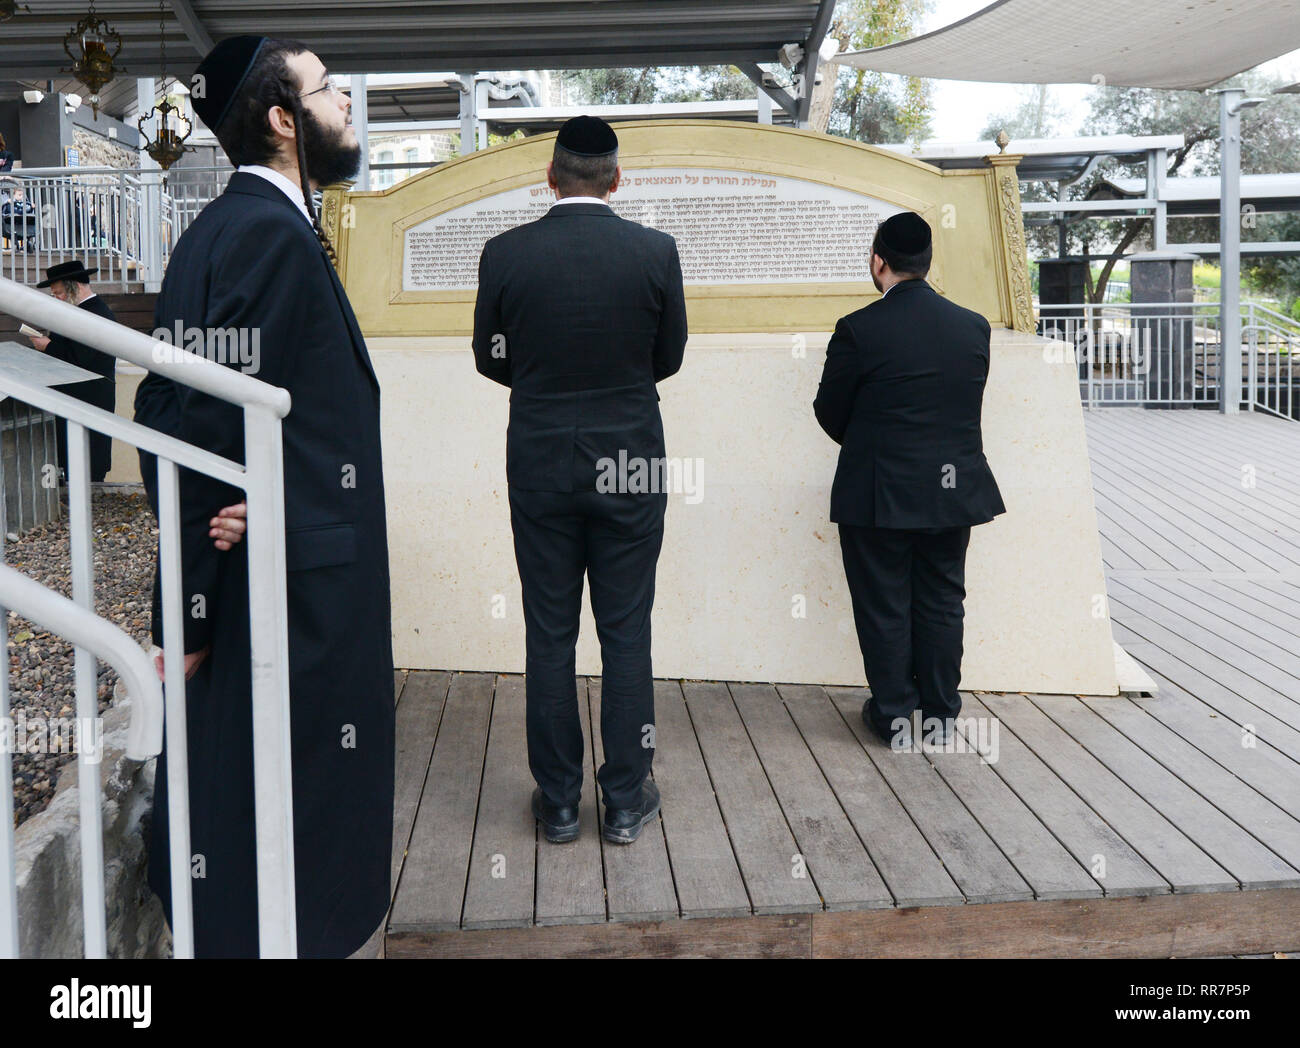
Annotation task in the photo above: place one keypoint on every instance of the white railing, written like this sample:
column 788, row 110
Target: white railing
column 1168, row 354
column 123, row 223
column 261, row 478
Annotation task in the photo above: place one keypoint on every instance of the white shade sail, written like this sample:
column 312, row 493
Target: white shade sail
column 1188, row 44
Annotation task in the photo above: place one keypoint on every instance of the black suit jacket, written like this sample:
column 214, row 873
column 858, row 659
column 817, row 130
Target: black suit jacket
column 580, row 313
column 93, row 391
column 901, row 393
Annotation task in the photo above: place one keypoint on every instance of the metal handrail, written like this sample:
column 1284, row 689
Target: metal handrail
column 56, row 613
column 88, row 631
column 261, row 478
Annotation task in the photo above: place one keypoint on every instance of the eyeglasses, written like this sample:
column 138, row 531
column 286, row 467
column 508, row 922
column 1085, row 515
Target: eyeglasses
column 331, row 87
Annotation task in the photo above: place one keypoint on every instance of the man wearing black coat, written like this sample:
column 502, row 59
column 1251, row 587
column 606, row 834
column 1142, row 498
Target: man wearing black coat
column 901, row 393
column 252, row 262
column 580, row 313
column 70, row 282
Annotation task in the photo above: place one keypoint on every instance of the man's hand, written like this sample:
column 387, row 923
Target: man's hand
column 40, row 342
column 192, row 661
column 229, row 525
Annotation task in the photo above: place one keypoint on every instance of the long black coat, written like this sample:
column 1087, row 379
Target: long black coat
column 100, row 392
column 902, row 392
column 580, row 313
column 251, row 260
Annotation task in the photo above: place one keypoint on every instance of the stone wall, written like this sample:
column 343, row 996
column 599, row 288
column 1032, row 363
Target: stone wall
column 48, row 863
column 98, row 151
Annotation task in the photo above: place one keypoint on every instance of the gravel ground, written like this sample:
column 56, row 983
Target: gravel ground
column 125, row 537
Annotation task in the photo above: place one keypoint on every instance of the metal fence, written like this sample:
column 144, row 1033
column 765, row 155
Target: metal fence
column 122, row 223
column 1169, row 354
column 261, row 478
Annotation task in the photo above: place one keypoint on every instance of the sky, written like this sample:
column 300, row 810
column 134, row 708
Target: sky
column 962, row 108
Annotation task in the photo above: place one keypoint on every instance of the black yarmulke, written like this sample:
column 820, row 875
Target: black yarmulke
column 906, row 233
column 223, row 72
column 587, row 136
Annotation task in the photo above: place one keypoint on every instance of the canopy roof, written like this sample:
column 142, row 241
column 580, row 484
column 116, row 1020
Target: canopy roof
column 1190, row 44
column 1043, row 159
column 1199, row 194
column 387, row 36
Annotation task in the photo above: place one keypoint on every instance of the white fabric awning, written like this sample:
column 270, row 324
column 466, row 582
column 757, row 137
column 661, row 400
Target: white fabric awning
column 1189, row 44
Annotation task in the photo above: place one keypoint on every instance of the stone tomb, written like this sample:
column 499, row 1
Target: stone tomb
column 773, row 226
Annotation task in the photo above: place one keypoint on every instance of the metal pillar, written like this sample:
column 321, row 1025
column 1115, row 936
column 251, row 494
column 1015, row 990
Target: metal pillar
column 150, row 196
column 1231, row 103
column 468, row 114
column 1157, row 162
column 361, row 124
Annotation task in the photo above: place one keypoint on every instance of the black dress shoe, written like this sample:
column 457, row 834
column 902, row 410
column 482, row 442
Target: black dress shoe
column 623, row 825
column 898, row 740
column 559, row 823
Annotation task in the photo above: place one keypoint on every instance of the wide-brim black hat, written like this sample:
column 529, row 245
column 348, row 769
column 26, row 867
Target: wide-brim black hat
column 68, row 271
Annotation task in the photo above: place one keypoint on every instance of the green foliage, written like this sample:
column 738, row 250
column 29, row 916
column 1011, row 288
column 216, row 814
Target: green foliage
column 644, row 85
column 877, row 107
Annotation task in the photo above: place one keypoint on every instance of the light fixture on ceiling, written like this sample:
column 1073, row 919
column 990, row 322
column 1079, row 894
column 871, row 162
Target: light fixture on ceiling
column 168, row 142
column 97, row 45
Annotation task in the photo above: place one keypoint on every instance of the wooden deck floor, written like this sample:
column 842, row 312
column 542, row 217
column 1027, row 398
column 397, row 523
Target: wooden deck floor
column 1134, row 827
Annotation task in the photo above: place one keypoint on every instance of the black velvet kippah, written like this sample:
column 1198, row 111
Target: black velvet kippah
column 906, row 233
column 587, row 136
column 223, row 72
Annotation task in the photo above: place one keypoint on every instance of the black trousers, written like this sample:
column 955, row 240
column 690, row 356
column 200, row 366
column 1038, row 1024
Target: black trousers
column 614, row 539
column 908, row 589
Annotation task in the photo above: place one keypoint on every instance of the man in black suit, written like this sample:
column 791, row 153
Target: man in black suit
column 901, row 393
column 580, row 313
column 253, row 262
column 70, row 282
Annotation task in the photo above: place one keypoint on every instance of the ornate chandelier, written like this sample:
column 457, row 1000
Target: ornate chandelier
column 97, row 45
column 168, row 143
column 9, row 8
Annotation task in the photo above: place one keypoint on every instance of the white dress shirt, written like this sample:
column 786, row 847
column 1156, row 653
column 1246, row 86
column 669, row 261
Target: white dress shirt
column 281, row 183
column 581, row 200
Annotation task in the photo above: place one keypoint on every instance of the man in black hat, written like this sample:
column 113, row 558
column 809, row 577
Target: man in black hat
column 70, row 282
column 254, row 262
column 901, row 393
column 580, row 313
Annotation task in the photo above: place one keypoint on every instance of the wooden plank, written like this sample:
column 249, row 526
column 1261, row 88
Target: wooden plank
column 1249, row 861
column 704, row 867
column 1191, row 516
column 975, row 862
column 1212, row 698
column 764, row 847
column 1262, row 685
column 1262, row 650
column 1179, row 546
column 829, row 847
column 417, row 719
column 910, row 868
column 1040, row 858
column 1273, row 774
column 638, row 877
column 1179, row 860
column 1081, row 831
column 1150, row 926
column 399, row 682
column 1224, row 923
column 432, row 890
column 1217, row 492
column 785, row 936
column 570, row 877
column 1269, row 822
column 499, row 889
